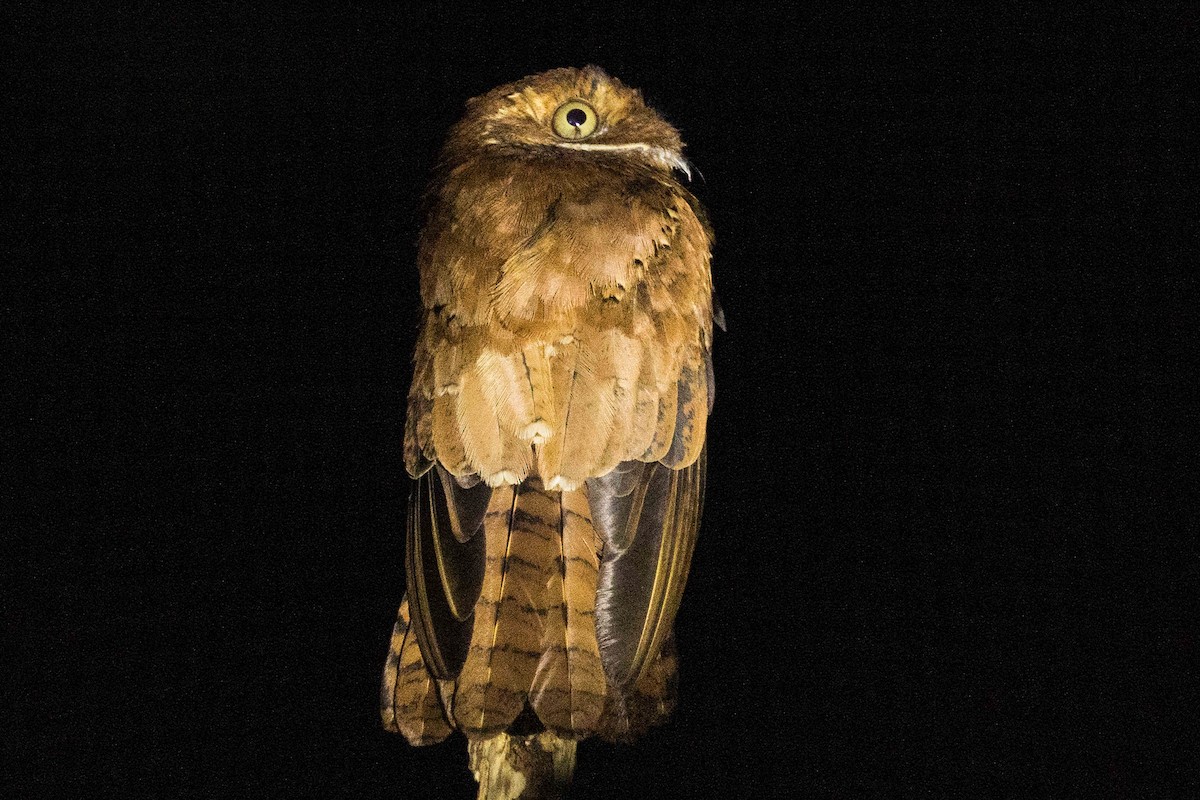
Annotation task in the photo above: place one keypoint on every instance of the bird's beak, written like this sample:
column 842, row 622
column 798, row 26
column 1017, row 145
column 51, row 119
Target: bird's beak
column 660, row 155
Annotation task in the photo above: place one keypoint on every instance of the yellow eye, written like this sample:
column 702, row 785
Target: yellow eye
column 575, row 120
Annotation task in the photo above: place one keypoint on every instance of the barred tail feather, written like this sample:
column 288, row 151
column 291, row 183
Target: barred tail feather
column 534, row 638
column 489, row 694
column 409, row 701
column 568, row 687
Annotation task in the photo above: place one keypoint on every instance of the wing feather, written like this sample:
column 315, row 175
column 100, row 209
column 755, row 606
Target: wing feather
column 418, row 431
column 480, row 429
column 506, row 387
column 447, row 438
column 588, row 420
column 621, row 358
column 445, row 567
column 691, row 413
column 641, row 584
column 664, row 425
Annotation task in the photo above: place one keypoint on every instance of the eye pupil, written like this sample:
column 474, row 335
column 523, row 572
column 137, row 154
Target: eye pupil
column 576, row 117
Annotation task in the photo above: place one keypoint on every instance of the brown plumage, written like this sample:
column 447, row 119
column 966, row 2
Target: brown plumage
column 556, row 428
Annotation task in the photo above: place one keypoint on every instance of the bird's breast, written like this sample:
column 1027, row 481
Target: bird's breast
column 539, row 242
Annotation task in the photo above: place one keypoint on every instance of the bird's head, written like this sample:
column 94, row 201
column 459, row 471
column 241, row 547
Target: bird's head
column 583, row 111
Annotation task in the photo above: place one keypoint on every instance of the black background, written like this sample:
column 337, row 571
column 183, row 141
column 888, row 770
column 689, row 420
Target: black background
column 951, row 401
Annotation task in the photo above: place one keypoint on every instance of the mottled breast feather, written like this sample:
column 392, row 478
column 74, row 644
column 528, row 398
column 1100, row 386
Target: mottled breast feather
column 568, row 306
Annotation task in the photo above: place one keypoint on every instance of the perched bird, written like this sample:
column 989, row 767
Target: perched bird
column 555, row 432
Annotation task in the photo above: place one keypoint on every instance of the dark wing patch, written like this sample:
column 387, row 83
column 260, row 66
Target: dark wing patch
column 691, row 411
column 652, row 532
column 710, row 378
column 467, row 503
column 718, row 312
column 445, row 564
column 611, row 500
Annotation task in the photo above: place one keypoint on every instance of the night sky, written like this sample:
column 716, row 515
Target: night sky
column 953, row 259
